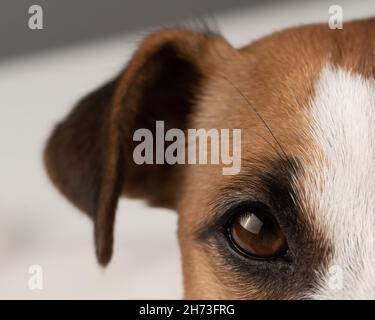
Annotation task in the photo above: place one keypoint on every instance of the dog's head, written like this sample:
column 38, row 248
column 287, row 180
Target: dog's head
column 297, row 221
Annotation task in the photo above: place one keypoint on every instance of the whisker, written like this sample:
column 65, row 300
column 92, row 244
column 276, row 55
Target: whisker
column 261, row 119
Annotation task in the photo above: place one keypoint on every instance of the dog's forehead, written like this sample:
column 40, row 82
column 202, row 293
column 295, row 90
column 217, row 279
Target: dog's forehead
column 281, row 77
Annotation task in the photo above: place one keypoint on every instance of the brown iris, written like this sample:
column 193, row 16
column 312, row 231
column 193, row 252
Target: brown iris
column 258, row 234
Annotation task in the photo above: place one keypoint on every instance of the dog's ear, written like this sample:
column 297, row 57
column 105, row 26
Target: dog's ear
column 89, row 155
column 82, row 160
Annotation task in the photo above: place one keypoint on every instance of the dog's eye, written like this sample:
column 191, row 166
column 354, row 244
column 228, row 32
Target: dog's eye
column 257, row 234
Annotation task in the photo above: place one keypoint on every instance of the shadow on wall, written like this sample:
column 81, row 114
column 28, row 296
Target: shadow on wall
column 69, row 22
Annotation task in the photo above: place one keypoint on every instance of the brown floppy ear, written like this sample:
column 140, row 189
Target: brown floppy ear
column 83, row 162
column 89, row 155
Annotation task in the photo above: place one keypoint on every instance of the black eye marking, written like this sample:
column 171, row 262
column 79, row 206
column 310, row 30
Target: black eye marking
column 270, row 183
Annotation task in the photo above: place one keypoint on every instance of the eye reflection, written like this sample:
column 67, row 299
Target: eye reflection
column 258, row 234
column 251, row 223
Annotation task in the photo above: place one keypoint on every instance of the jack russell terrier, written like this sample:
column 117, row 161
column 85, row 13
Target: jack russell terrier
column 302, row 203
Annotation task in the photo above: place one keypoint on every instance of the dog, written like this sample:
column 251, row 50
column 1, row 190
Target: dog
column 298, row 218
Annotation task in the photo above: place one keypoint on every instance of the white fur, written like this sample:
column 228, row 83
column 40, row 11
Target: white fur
column 340, row 183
